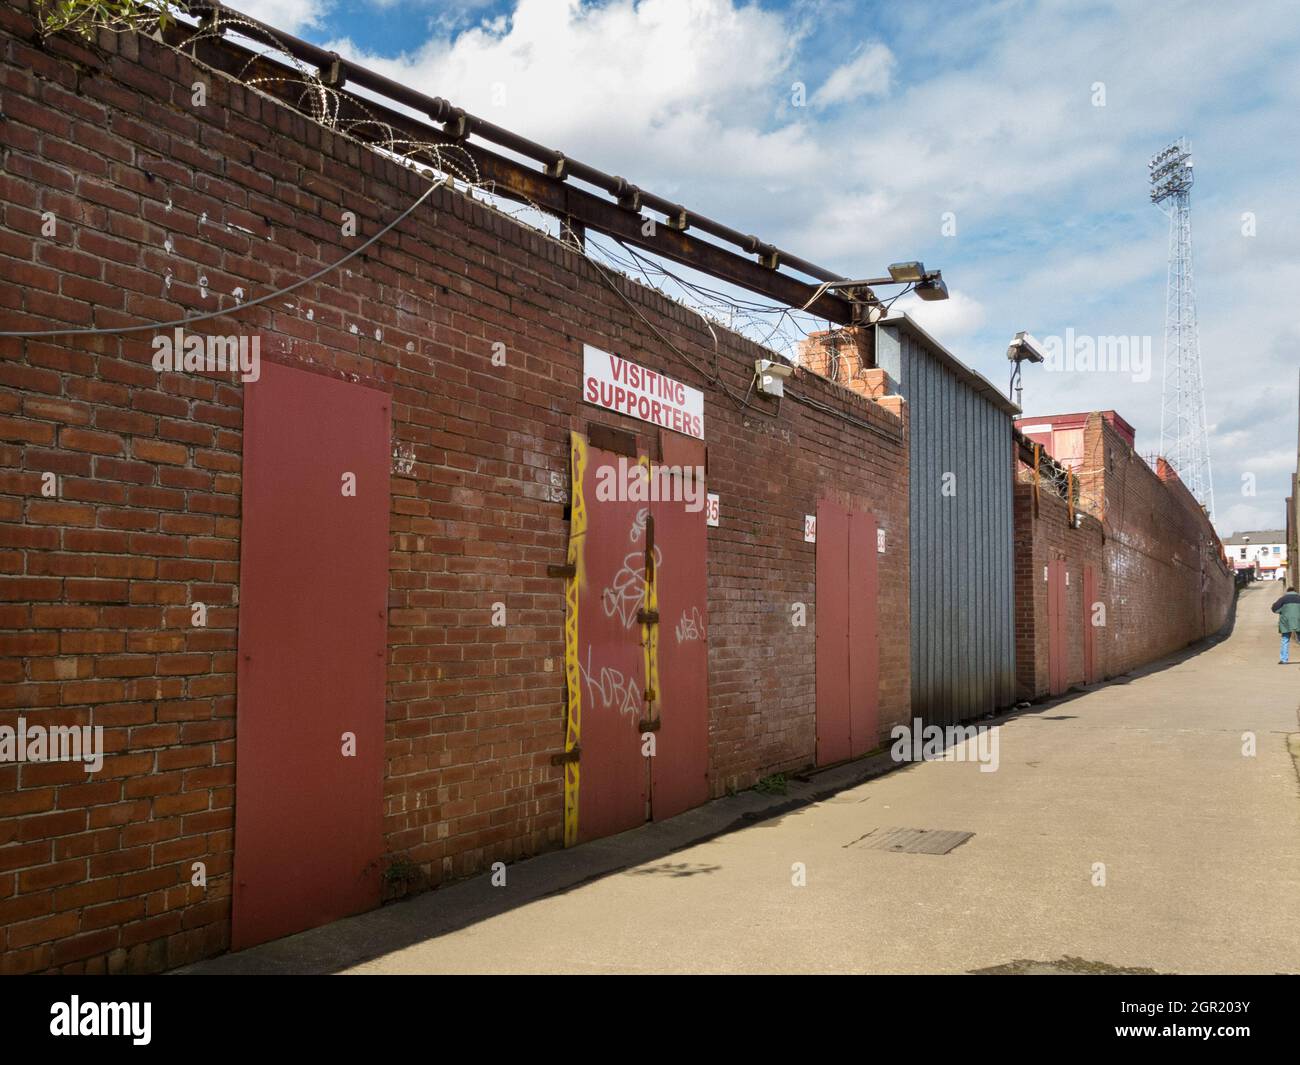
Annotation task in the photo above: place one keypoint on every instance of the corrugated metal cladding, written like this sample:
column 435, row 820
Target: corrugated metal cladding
column 962, row 570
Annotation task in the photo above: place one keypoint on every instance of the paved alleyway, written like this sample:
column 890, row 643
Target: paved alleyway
column 1201, row 848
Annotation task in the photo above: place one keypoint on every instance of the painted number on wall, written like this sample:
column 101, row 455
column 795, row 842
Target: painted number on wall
column 810, row 528
column 712, row 509
column 880, row 540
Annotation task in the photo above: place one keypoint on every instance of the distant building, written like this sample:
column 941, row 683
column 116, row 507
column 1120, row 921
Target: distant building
column 1264, row 550
column 1061, row 435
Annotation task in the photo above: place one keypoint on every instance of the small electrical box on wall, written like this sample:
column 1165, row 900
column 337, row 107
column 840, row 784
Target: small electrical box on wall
column 770, row 376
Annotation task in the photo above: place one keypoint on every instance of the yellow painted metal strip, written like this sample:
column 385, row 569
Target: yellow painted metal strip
column 650, row 630
column 572, row 672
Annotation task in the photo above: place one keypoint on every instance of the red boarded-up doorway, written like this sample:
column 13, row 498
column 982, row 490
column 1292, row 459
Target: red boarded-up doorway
column 847, row 636
column 1057, row 664
column 679, row 771
column 312, row 652
column 1089, row 625
column 636, row 652
column 614, row 538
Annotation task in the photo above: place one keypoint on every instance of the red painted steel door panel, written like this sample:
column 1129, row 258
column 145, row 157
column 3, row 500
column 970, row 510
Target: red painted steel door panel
column 611, row 656
column 833, row 729
column 864, row 647
column 1089, row 632
column 1056, row 663
column 679, row 771
column 312, row 653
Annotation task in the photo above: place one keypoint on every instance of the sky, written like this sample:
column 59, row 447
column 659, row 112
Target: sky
column 1005, row 143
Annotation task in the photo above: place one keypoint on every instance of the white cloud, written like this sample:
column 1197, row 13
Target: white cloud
column 985, row 114
column 292, row 16
column 1245, row 517
column 614, row 79
column 958, row 316
column 866, row 74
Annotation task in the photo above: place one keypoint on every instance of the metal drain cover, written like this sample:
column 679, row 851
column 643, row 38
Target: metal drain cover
column 914, row 840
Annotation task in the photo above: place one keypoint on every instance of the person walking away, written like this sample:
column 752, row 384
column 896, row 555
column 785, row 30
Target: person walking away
column 1287, row 610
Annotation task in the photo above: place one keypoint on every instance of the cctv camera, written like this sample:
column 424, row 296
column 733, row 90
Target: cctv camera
column 1024, row 348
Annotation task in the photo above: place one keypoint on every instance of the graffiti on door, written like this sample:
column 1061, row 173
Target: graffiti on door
column 627, row 560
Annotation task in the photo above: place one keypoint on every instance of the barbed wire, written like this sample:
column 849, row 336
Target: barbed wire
column 777, row 328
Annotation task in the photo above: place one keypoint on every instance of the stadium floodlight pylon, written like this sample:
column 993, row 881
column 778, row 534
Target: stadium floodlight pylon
column 1184, row 441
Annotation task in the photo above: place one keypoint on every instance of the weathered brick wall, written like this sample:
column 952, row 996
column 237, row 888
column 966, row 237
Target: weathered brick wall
column 1293, row 529
column 1157, row 560
column 844, row 356
column 1040, row 540
column 164, row 209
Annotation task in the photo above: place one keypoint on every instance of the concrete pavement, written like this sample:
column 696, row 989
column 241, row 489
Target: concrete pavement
column 1200, row 846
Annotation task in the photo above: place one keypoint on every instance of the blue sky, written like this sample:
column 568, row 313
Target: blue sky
column 1025, row 127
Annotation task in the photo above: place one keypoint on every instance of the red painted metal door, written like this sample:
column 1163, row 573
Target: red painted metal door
column 864, row 648
column 679, row 771
column 612, row 772
column 1089, row 631
column 834, row 732
column 312, row 652
column 636, row 648
column 1056, row 650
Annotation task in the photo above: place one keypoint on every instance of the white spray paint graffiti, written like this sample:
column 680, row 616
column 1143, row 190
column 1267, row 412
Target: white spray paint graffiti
column 691, row 626
column 610, row 688
column 626, row 594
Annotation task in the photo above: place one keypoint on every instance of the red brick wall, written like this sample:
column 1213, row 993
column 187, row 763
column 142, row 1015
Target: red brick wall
column 96, row 585
column 1039, row 541
column 1157, row 560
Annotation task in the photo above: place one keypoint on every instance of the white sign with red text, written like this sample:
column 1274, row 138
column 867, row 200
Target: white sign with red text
column 712, row 510
column 616, row 384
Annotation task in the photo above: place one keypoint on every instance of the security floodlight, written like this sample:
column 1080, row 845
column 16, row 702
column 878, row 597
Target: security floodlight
column 1171, row 172
column 932, row 288
column 927, row 284
column 907, row 272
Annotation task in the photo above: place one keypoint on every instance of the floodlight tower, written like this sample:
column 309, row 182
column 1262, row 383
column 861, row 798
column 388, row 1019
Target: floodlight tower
column 1183, row 438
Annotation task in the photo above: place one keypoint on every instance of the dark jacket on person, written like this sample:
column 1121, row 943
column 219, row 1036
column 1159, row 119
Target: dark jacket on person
column 1287, row 610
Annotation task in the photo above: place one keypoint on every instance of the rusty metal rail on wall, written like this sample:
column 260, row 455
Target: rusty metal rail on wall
column 1061, row 480
column 548, row 188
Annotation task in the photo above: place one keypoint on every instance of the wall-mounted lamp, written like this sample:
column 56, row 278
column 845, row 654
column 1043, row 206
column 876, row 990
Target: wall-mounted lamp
column 932, row 288
column 927, row 284
column 907, row 272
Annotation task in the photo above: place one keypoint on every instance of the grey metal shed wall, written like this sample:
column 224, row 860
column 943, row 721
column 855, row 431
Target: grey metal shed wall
column 962, row 566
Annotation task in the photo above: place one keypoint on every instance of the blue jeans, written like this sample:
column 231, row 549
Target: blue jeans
column 1286, row 646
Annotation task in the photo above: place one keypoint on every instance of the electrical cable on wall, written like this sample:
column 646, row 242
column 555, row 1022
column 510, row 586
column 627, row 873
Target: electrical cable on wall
column 182, row 322
column 324, row 107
